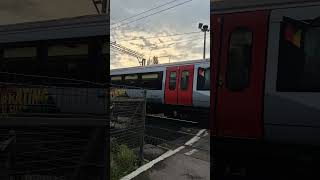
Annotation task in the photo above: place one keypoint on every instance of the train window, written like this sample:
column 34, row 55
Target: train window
column 184, row 80
column 68, row 49
column 203, row 82
column 116, row 80
column 149, row 76
column 25, row 52
column 131, row 80
column 19, row 60
column 299, row 54
column 172, row 80
column 69, row 59
column 131, row 77
column 58, row 59
column 152, row 80
column 238, row 66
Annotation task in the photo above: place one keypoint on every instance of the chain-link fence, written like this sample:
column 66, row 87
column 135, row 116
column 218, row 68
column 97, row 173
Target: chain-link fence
column 28, row 99
column 52, row 128
column 52, row 152
column 127, row 123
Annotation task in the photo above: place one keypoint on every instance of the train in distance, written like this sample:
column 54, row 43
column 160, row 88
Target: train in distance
column 180, row 90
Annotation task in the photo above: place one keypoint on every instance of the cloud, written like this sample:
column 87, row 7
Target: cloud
column 181, row 19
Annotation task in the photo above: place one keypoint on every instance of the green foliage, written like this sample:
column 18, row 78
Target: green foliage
column 123, row 161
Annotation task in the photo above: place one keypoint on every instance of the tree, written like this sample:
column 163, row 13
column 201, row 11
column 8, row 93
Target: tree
column 155, row 60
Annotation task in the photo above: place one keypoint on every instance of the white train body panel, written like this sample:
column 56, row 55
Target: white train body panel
column 200, row 98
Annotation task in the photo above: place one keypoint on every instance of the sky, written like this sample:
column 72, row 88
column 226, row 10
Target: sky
column 177, row 20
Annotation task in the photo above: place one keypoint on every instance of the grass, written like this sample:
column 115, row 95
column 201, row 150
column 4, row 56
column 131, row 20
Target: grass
column 123, row 161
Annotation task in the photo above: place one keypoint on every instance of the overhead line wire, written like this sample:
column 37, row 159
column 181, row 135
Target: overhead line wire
column 153, row 37
column 157, row 12
column 145, row 12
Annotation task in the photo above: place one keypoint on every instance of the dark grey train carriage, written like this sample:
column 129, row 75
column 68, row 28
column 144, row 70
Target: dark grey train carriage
column 53, row 99
column 62, row 61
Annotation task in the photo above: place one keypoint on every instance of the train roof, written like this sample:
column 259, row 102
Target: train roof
column 163, row 65
column 228, row 6
column 75, row 27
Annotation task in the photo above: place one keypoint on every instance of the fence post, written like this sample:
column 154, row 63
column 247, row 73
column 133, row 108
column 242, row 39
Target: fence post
column 7, row 150
column 144, row 123
column 12, row 150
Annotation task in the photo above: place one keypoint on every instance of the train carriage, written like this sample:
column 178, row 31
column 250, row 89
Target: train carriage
column 53, row 99
column 173, row 89
column 56, row 67
column 265, row 81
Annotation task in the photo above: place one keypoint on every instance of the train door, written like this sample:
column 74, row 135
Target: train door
column 239, row 90
column 171, row 86
column 185, row 85
column 179, row 85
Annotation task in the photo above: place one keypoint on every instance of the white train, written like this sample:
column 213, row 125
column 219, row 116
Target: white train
column 175, row 88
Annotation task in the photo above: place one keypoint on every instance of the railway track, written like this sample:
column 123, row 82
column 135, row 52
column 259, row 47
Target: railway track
column 165, row 133
column 200, row 120
column 168, row 133
column 154, row 118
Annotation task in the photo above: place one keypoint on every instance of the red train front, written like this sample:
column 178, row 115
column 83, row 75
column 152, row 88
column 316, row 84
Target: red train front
column 265, row 80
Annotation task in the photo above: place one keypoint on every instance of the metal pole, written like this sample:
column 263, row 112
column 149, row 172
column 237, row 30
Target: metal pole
column 108, row 6
column 104, row 6
column 95, row 6
column 144, row 111
column 204, row 46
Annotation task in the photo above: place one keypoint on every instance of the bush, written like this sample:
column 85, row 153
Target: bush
column 123, row 161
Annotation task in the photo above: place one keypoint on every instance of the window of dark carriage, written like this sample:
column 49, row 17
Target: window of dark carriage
column 184, row 80
column 203, row 79
column 239, row 59
column 131, row 80
column 172, row 80
column 152, row 81
column 299, row 57
column 69, row 60
column 57, row 59
column 21, row 60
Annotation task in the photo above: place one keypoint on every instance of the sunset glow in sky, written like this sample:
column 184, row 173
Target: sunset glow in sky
column 139, row 35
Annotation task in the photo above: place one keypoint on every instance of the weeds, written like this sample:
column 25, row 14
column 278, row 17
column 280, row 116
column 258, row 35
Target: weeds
column 123, row 161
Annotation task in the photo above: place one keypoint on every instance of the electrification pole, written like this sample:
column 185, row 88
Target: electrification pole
column 105, row 6
column 205, row 29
